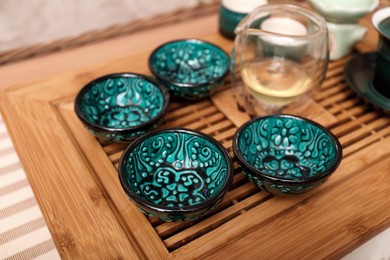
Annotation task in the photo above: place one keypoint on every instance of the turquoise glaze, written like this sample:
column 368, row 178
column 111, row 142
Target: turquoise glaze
column 175, row 174
column 190, row 69
column 285, row 154
column 120, row 107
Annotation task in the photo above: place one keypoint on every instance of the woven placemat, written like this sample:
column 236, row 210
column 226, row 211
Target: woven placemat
column 201, row 9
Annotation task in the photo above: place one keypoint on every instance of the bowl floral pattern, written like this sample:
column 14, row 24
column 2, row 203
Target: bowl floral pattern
column 175, row 171
column 288, row 151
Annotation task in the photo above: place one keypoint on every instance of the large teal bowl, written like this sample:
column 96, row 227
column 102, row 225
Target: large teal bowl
column 191, row 68
column 176, row 174
column 121, row 107
column 285, row 154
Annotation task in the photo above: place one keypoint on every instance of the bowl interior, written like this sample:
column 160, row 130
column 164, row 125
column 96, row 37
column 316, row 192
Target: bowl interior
column 189, row 62
column 175, row 169
column 288, row 148
column 121, row 102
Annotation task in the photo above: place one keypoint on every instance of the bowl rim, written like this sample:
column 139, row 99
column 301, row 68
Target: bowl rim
column 188, row 85
column 105, row 129
column 329, row 170
column 176, row 210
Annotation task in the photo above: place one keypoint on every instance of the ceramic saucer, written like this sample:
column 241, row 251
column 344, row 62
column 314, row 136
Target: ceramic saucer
column 359, row 73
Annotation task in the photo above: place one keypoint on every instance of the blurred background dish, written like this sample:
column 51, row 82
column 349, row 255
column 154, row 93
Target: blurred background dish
column 359, row 74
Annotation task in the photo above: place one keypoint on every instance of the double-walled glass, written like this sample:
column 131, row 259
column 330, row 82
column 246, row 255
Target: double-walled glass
column 280, row 58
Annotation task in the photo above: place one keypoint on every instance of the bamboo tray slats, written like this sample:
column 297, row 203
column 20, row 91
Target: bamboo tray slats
column 213, row 119
column 110, row 149
column 339, row 97
column 331, row 90
column 353, row 124
column 347, row 104
column 201, row 113
column 166, row 228
column 376, row 137
column 177, row 110
column 330, row 82
column 352, row 113
column 336, row 69
column 364, row 131
column 214, row 221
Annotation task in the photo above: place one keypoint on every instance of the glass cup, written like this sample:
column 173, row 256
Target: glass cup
column 279, row 59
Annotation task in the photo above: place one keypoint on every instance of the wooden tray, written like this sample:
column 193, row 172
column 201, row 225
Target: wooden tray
column 74, row 177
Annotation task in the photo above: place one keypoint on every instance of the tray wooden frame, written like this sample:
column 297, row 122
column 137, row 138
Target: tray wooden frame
column 74, row 178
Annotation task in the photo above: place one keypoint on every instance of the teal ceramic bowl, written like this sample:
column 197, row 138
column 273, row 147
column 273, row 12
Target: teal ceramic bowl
column 190, row 69
column 285, row 154
column 121, row 107
column 175, row 174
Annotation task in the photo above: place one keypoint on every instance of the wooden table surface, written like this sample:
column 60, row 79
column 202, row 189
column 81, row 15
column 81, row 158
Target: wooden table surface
column 74, row 176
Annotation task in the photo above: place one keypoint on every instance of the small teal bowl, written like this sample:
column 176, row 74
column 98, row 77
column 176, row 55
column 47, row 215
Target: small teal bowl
column 121, row 107
column 285, row 154
column 175, row 174
column 190, row 69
